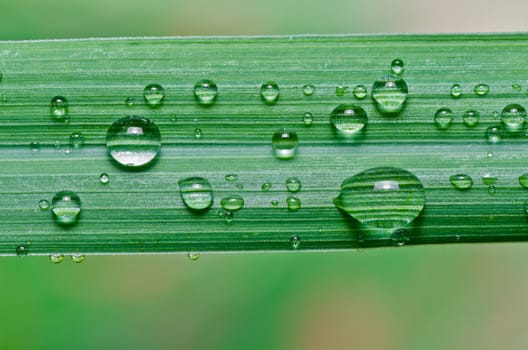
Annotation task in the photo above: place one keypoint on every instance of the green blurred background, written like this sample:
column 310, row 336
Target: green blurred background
column 435, row 297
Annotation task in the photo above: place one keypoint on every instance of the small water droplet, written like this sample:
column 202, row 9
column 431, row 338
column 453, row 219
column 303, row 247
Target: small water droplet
column 284, row 143
column 173, row 118
column 461, row 181
column 513, row 117
column 390, row 93
column 77, row 258
column 34, row 146
column 57, row 145
column 495, row 114
column 130, row 102
column 489, row 180
column 293, row 184
column 308, row 89
column 481, row 89
column 232, row 203
column 443, row 118
column 231, row 177
column 56, row 258
column 205, row 92
column 384, row 197
column 523, row 180
column 341, row 90
column 491, row 190
column 471, row 118
column 266, row 187
column 456, row 90
column 154, row 94
column 269, row 92
column 4, row 97
column 239, row 186
column 349, row 119
column 196, row 192
column 76, row 139
column 308, row 118
column 295, row 241
column 104, row 178
column 293, row 203
column 59, row 108
column 360, row 92
column 494, row 134
column 133, row 141
column 21, row 250
column 274, row 202
column 66, row 207
column 228, row 216
column 43, row 204
column 397, row 66
column 400, row 237
column 198, row 133
column 193, row 256
column 517, row 87
column 68, row 150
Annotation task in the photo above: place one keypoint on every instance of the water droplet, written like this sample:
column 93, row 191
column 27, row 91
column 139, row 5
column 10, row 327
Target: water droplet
column 397, row 66
column 205, row 91
column 239, row 186
column 231, row 177
column 494, row 134
column 154, row 94
column 517, row 87
column 293, row 203
column 43, row 204
column 390, row 93
column 173, row 118
column 269, row 92
column 349, row 119
column 228, row 216
column 34, row 146
column 76, row 139
column 104, row 178
column 513, row 117
column 198, row 133
column 196, row 192
column 66, row 206
column 400, row 237
column 232, row 203
column 495, row 114
column 308, row 90
column 193, row 256
column 481, row 89
column 266, row 187
column 491, row 190
column 68, row 150
column 443, row 118
column 456, row 90
column 489, row 180
column 130, row 102
column 274, row 202
column 341, row 90
column 293, row 184
column 295, row 241
column 59, row 108
column 284, row 143
column 4, row 97
column 57, row 145
column 133, row 141
column 56, row 258
column 360, row 92
column 523, row 180
column 461, row 181
column 384, row 197
column 22, row 250
column 77, row 258
column 307, row 118
column 471, row 118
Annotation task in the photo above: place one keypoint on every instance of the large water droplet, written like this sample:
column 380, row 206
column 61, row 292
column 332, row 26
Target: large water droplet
column 293, row 203
column 360, row 92
column 196, row 192
column 349, row 119
column 232, row 203
column 390, row 94
column 293, row 184
column 66, row 206
column 481, row 89
column 384, row 197
column 513, row 117
column 154, row 94
column 284, row 143
column 59, row 108
column 308, row 89
column 456, row 90
column 397, row 66
column 133, row 141
column 443, row 118
column 461, row 181
column 494, row 134
column 205, row 91
column 269, row 92
column 471, row 118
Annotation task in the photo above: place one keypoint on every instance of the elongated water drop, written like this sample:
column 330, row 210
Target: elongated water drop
column 293, row 184
column 154, row 94
column 461, row 181
column 205, row 91
column 269, row 92
column 193, row 256
column 59, row 108
column 284, row 143
column 196, row 192
column 384, row 197
column 133, row 141
column 232, row 203
column 231, row 177
column 348, row 119
column 513, row 117
column 471, row 118
column 443, row 118
column 397, row 66
column 66, row 207
column 390, row 93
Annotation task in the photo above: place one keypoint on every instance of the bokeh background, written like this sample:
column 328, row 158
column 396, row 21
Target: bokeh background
column 434, row 297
